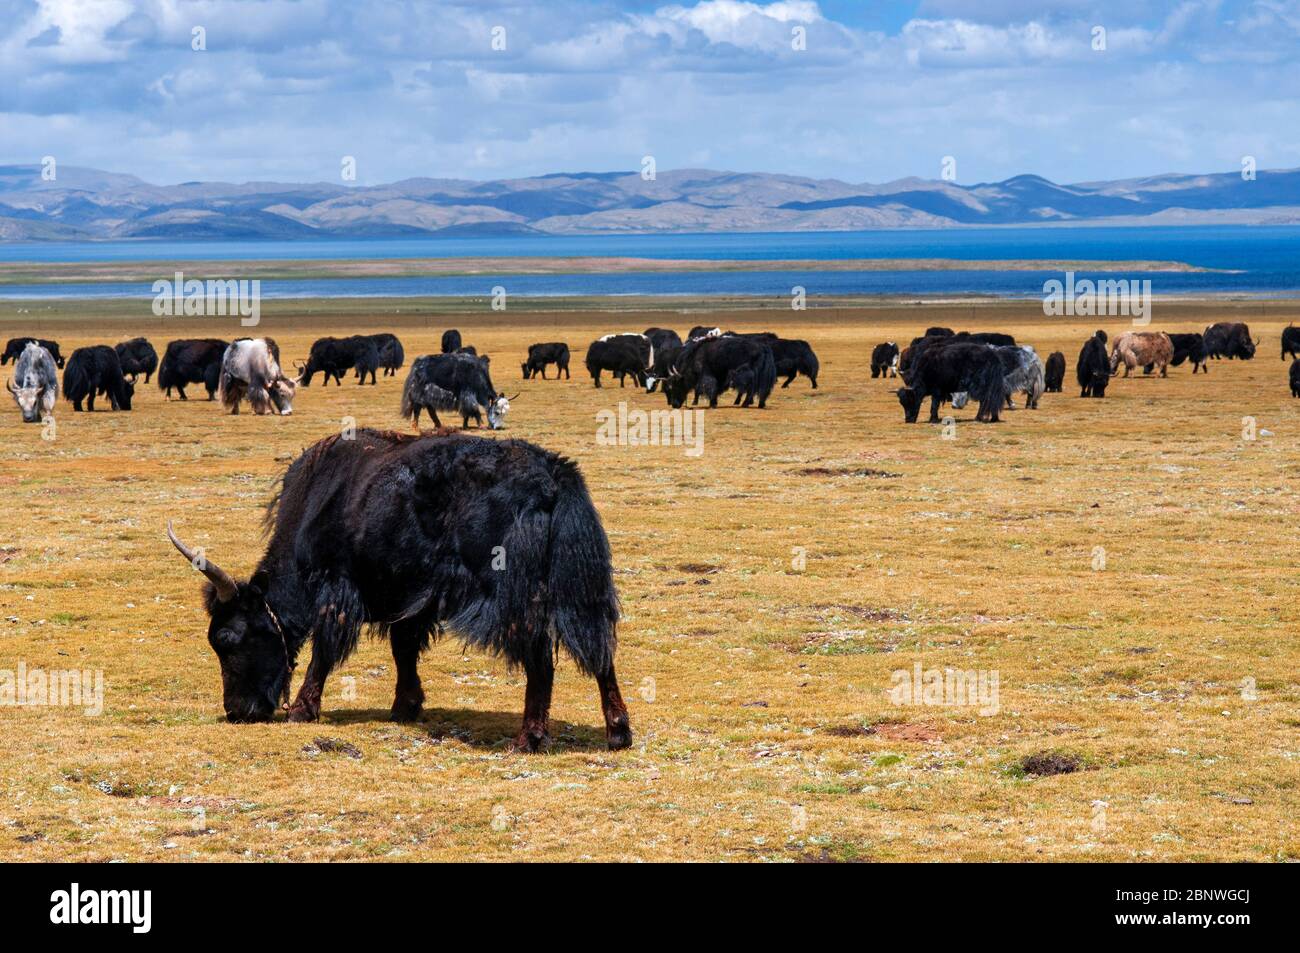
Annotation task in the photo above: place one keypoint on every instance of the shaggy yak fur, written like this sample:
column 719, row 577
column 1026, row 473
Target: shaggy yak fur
column 1054, row 373
column 1138, row 348
column 37, row 384
column 1290, row 341
column 137, row 357
column 459, row 382
column 95, row 371
column 957, row 367
column 251, row 369
column 1295, row 378
column 495, row 541
column 14, row 349
column 621, row 355
column 391, row 353
column 1024, row 373
column 191, row 361
column 1093, row 369
column 450, row 341
column 334, row 357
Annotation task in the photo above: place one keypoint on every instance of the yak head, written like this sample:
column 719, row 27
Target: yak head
column 960, row 399
column 527, row 371
column 28, row 400
column 282, row 390
column 128, row 391
column 911, row 399
column 248, row 640
column 497, row 410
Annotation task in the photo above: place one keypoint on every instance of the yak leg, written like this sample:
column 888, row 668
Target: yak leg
column 618, row 731
column 596, row 377
column 934, row 409
column 409, row 696
column 1164, row 370
column 790, row 380
column 90, row 402
column 535, row 733
column 415, row 418
column 180, row 389
column 306, row 707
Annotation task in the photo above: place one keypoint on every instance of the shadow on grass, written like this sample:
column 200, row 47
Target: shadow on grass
column 479, row 729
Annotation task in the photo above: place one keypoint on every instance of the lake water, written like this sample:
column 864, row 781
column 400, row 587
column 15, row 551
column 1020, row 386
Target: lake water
column 1256, row 260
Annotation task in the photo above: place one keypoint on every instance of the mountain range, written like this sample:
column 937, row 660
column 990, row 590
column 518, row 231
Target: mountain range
column 88, row 204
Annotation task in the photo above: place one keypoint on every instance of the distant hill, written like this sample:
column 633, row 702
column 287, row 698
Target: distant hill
column 90, row 204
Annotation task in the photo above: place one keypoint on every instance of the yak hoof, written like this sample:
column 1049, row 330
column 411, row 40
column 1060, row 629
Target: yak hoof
column 618, row 737
column 407, row 709
column 303, row 713
column 533, row 740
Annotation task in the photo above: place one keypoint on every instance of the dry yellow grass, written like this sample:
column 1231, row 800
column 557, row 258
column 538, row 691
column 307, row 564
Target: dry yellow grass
column 749, row 681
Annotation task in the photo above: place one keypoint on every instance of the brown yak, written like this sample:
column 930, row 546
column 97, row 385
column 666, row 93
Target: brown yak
column 1139, row 348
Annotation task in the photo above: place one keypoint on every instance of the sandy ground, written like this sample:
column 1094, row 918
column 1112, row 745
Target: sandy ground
column 772, row 587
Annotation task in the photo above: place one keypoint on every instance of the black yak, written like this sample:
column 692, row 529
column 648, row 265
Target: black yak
column 35, row 387
column 540, row 355
column 1290, row 341
column 703, row 331
column 662, row 337
column 137, row 357
column 95, row 371
column 1093, row 368
column 457, row 382
column 1229, row 340
column 794, row 357
column 334, row 357
column 450, row 341
column 884, row 360
column 191, row 361
column 960, row 367
column 14, row 349
column 1186, row 347
column 621, row 354
column 939, row 332
column 1295, row 378
column 708, row 366
column 497, row 542
column 1054, row 373
column 391, row 353
column 251, row 369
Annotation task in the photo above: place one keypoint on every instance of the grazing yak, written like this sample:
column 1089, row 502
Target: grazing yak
column 708, row 366
column 391, row 353
column 457, row 382
column 137, row 357
column 402, row 534
column 1229, row 340
column 1023, row 372
column 884, row 360
column 95, row 371
column 1295, row 378
column 14, row 349
column 1290, row 341
column 665, row 360
column 662, row 337
column 191, row 361
column 1138, row 348
column 334, row 357
column 794, row 357
column 37, row 386
column 251, row 369
column 1093, row 368
column 1186, row 347
column 621, row 354
column 540, row 355
column 450, row 341
column 1054, row 373
column 960, row 367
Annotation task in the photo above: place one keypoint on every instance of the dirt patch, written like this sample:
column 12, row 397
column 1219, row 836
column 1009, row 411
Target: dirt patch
column 332, row 746
column 869, row 472
column 699, row 569
column 906, row 731
column 1046, row 763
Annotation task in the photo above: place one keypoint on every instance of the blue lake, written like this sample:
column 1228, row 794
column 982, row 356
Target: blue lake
column 1262, row 260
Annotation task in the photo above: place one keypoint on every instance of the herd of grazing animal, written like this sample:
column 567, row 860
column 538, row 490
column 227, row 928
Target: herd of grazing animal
column 958, row 367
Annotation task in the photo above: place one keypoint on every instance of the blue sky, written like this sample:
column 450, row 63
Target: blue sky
column 286, row 88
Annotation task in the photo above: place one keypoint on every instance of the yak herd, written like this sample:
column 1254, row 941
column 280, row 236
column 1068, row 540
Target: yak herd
column 957, row 367
column 707, row 364
column 989, row 368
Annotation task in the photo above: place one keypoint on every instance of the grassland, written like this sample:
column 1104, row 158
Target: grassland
column 758, row 689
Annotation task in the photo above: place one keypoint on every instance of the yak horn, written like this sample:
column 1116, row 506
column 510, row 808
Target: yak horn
column 503, row 394
column 219, row 578
column 9, row 385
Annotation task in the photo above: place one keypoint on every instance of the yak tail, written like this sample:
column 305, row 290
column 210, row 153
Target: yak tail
column 990, row 388
column 583, row 602
column 76, row 380
column 764, row 375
